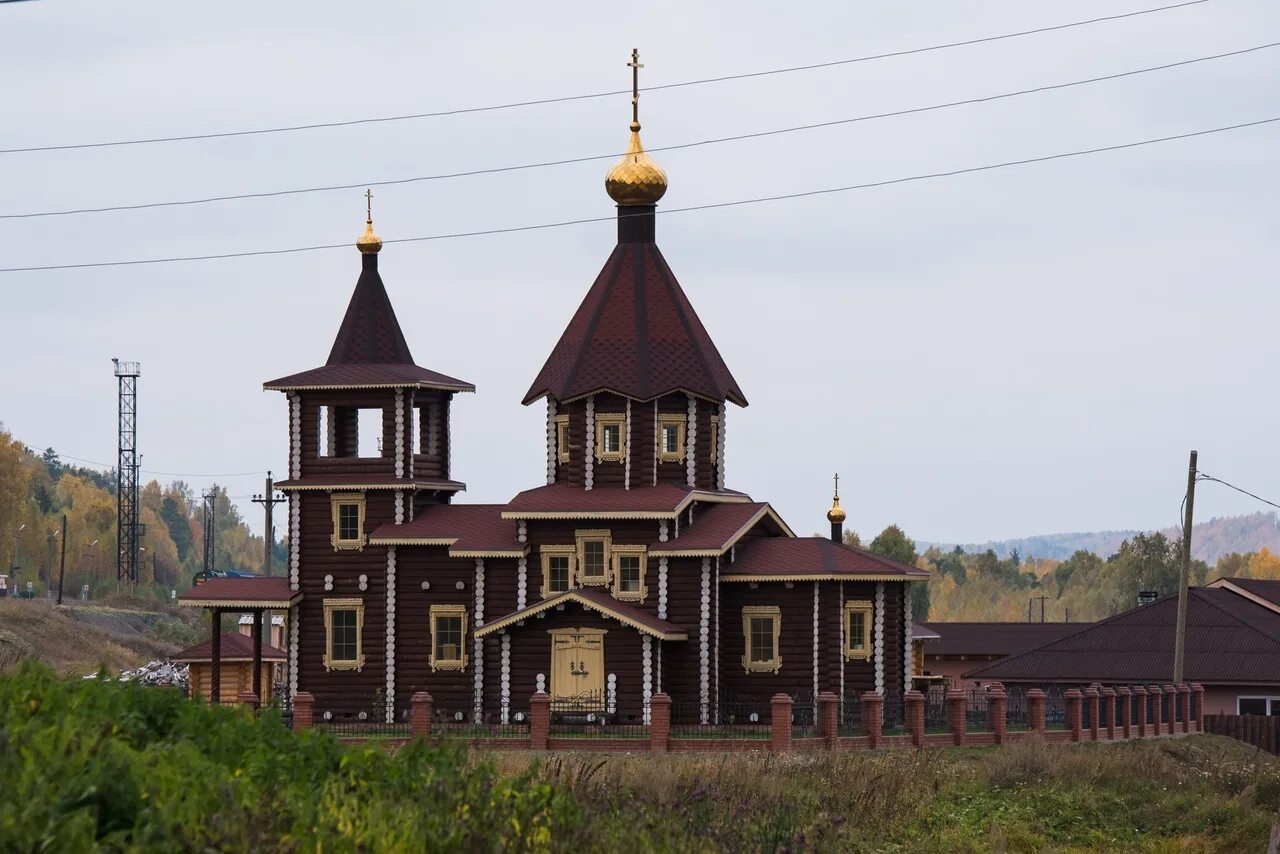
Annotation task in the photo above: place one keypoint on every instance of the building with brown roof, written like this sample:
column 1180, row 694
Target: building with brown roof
column 633, row 569
column 960, row 647
column 1232, row 648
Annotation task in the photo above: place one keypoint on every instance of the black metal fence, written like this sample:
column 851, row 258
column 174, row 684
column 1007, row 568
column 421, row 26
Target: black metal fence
column 1055, row 708
column 364, row 729
column 490, row 729
column 594, row 715
column 804, row 720
column 850, row 716
column 732, row 717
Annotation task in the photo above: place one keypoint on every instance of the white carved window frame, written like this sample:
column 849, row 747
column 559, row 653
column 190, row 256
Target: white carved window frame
column 351, row 604
column 772, row 613
column 851, row 650
column 435, row 612
column 591, row 535
column 679, row 422
column 547, row 553
column 339, row 543
column 562, row 438
column 639, row 594
column 611, row 419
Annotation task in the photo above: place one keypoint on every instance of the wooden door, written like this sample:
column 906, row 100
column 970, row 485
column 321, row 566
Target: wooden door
column 577, row 668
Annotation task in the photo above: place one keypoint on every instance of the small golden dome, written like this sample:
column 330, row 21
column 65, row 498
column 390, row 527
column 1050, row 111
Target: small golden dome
column 636, row 179
column 369, row 243
column 836, row 513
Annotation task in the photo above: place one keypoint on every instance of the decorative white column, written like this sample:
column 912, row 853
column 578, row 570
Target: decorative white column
column 506, row 678
column 295, row 531
column 662, row 588
column 715, row 658
column 842, row 648
column 658, row 677
column 646, row 670
column 879, row 639
column 552, row 449
column 399, row 506
column 611, row 694
column 478, row 645
column 589, row 464
column 522, row 582
column 663, row 531
column 657, row 439
column 704, row 644
column 399, row 433
column 626, row 457
column 295, row 435
column 906, row 647
column 293, row 651
column 391, row 634
column 690, row 444
column 331, row 432
column 815, row 642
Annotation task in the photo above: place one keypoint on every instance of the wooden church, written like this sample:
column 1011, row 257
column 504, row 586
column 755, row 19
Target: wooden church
column 634, row 569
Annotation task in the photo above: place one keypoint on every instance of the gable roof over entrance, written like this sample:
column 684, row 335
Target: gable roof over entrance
column 600, row 602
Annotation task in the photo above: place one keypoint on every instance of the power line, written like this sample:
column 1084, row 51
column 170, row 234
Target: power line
column 62, row 456
column 1203, row 476
column 696, row 144
column 711, row 206
column 589, row 96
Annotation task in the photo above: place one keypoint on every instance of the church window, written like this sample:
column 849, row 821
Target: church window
column 628, row 573
column 761, row 629
column 562, row 438
column 715, row 439
column 671, row 438
column 557, row 569
column 448, row 631
column 348, row 522
column 343, row 630
column 609, row 439
column 857, row 630
column 593, row 557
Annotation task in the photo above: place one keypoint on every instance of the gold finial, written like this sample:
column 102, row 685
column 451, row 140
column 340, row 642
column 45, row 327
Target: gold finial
column 636, row 179
column 836, row 513
column 369, row 243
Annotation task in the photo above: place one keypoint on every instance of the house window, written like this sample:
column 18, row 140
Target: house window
column 343, row 630
column 557, row 569
column 609, row 440
column 593, row 557
column 629, row 564
column 715, row 439
column 761, row 628
column 562, row 438
column 448, row 631
column 671, row 438
column 1258, row 705
column 857, row 630
column 348, row 522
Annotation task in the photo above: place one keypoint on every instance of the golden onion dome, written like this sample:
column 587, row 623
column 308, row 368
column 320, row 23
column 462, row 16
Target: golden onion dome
column 836, row 513
column 636, row 179
column 369, row 243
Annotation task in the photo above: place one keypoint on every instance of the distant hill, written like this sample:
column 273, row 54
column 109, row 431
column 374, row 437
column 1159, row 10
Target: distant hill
column 1209, row 540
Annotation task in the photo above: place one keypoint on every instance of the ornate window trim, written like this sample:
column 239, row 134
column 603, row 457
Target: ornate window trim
column 582, row 537
column 629, row 595
column 549, row 552
column 677, row 455
column 753, row 612
column 336, row 501
column 851, row 650
column 562, row 438
column 611, row 419
column 352, row 604
column 436, row 612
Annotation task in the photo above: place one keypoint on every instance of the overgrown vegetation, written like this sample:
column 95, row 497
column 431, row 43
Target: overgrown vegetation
column 99, row 765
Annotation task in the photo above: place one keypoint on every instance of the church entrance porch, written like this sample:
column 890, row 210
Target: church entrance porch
column 577, row 669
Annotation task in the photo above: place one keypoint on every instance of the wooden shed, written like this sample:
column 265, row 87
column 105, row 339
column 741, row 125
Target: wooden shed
column 236, row 667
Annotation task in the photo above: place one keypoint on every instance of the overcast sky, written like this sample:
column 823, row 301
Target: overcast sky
column 1022, row 351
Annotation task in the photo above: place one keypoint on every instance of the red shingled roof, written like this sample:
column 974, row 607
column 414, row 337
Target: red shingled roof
column 268, row 591
column 995, row 638
column 1229, row 640
column 1259, row 589
column 657, row 502
column 804, row 557
column 372, row 481
column 235, row 647
column 716, row 527
column 635, row 334
column 470, row 527
column 599, row 601
column 370, row 349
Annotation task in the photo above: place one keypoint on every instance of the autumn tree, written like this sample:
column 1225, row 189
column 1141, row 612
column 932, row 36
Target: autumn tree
column 894, row 544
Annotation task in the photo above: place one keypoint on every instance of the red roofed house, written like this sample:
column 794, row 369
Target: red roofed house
column 632, row 570
column 235, row 670
column 957, row 648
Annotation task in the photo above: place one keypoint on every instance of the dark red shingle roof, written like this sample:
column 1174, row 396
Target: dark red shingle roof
column 273, row 589
column 716, row 527
column 806, row 556
column 660, row 501
column 233, row 646
column 472, row 527
column 994, row 638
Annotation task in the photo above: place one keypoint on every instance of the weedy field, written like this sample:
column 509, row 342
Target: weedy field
column 98, row 765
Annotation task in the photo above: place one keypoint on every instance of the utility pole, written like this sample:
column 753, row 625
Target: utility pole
column 1042, row 600
column 62, row 569
column 1180, row 638
column 127, row 534
column 268, row 500
column 14, row 564
column 210, row 505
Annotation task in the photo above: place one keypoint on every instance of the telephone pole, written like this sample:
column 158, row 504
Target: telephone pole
column 210, row 505
column 62, row 568
column 1180, row 638
column 268, row 500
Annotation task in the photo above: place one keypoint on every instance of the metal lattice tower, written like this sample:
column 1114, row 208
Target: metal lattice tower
column 127, row 536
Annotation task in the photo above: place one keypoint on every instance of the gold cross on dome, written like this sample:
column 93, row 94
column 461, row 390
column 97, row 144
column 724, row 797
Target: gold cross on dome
column 837, row 484
column 368, row 205
column 635, row 67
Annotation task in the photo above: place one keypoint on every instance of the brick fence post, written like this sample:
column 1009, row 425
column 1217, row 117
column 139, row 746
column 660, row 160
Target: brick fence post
column 914, row 702
column 828, row 719
column 303, row 704
column 1072, row 700
column 1157, row 707
column 420, row 714
column 247, row 698
column 1184, row 702
column 659, row 722
column 1170, row 709
column 997, row 703
column 1125, row 712
column 780, row 723
column 955, row 714
column 539, row 720
column 1140, row 700
column 1035, row 710
column 1197, row 691
column 1109, row 710
column 873, row 717
column 1091, row 695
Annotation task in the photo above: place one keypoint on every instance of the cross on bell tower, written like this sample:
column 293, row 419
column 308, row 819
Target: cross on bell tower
column 635, row 67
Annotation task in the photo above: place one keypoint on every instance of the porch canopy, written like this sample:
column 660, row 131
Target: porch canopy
column 253, row 595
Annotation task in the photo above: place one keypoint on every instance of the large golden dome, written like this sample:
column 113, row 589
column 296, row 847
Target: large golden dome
column 369, row 243
column 636, row 179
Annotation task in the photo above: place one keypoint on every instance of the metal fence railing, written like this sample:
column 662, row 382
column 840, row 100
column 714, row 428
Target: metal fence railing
column 804, row 721
column 851, row 716
column 595, row 715
column 364, row 729
column 733, row 717
column 1055, row 708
